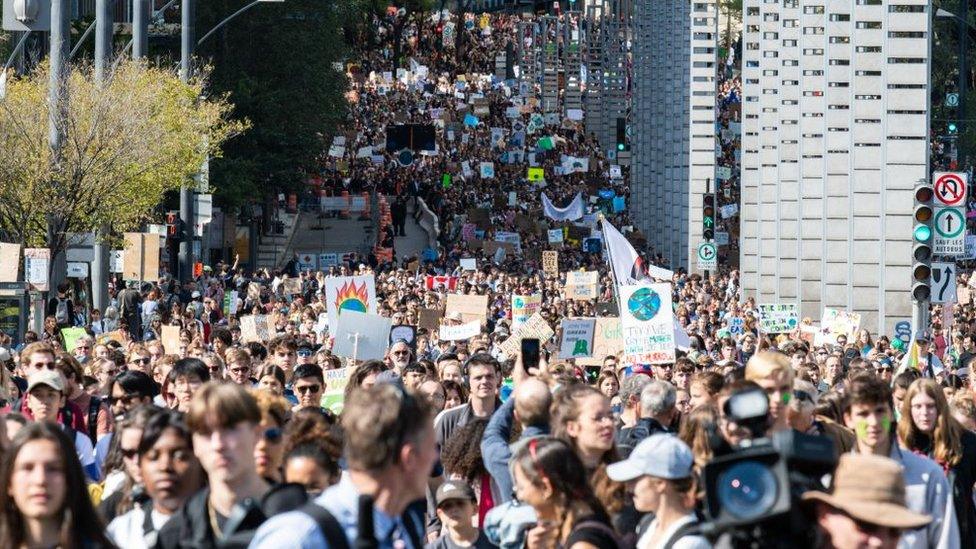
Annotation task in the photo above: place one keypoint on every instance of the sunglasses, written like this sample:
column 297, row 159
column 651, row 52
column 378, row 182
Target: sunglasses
column 308, row 389
column 125, row 400
column 401, row 352
column 802, row 395
column 272, row 434
column 304, row 353
column 141, row 360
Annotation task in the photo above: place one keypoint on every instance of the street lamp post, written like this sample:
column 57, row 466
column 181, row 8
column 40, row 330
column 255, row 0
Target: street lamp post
column 962, row 20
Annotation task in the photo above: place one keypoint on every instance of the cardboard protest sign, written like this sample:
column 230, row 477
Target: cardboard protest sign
column 681, row 339
column 460, row 332
column 140, row 258
column 361, row 336
column 406, row 332
column 778, row 318
column 577, row 340
column 647, row 321
column 607, row 341
column 333, row 396
column 471, row 307
column 835, row 323
column 349, row 293
column 255, row 328
column 254, row 292
column 115, row 336
column 429, row 319
column 170, row 337
column 523, row 307
column 550, row 262
column 9, row 261
column 291, row 286
column 582, row 284
column 71, row 337
column 536, row 327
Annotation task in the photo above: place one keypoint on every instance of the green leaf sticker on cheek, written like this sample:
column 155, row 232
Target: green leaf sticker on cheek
column 785, row 399
column 861, row 428
column 886, row 424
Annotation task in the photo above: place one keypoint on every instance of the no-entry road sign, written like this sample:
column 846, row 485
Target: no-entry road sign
column 950, row 188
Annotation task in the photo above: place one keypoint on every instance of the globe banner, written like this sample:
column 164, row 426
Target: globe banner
column 647, row 322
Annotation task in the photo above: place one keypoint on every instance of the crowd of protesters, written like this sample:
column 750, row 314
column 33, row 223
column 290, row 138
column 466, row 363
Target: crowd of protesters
column 213, row 439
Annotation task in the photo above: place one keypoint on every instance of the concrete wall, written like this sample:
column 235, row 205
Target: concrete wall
column 673, row 122
column 835, row 118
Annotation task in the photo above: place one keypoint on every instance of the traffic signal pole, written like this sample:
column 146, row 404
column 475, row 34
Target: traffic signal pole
column 188, row 41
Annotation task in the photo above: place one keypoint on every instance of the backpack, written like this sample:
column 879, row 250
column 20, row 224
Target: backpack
column 61, row 312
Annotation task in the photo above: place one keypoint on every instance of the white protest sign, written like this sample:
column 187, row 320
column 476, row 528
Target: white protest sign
column 349, row 293
column 581, row 284
column 469, row 264
column 577, row 339
column 361, row 336
column 555, row 236
column 460, row 332
column 778, row 318
column 647, row 321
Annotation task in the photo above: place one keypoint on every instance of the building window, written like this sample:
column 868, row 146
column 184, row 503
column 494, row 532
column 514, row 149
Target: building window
column 867, row 73
column 898, row 8
column 867, row 97
column 813, row 30
column 813, row 9
column 840, row 17
column 789, row 43
column 812, row 72
column 840, row 39
column 840, row 62
column 812, row 51
column 868, row 49
column 868, row 25
column 906, row 34
column 791, row 82
column 905, row 60
column 838, row 84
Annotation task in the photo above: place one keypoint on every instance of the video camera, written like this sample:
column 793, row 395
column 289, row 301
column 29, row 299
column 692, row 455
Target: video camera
column 752, row 491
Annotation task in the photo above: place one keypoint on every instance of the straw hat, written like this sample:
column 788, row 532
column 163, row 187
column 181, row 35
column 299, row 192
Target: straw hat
column 876, row 498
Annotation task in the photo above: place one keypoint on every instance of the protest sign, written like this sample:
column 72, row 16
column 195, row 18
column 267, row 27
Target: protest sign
column 835, row 322
column 349, row 293
column 523, row 307
column 737, row 325
column 291, row 286
column 577, row 340
column 487, row 170
column 607, row 341
column 9, row 261
column 471, row 307
column 405, row 332
column 778, row 318
column 335, row 388
column 647, row 321
column 71, row 337
column 230, row 302
column 170, row 337
column 140, row 259
column 254, row 292
column 255, row 328
column 550, row 262
column 535, row 174
column 681, row 339
column 460, row 332
column 581, row 284
column 448, row 283
column 555, row 236
column 361, row 336
column 429, row 319
column 469, row 264
column 115, row 336
column 535, row 327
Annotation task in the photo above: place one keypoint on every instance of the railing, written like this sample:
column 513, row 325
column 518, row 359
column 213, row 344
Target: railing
column 429, row 222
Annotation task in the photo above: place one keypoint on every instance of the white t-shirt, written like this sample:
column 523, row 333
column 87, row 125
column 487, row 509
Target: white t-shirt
column 83, row 445
column 685, row 542
column 127, row 530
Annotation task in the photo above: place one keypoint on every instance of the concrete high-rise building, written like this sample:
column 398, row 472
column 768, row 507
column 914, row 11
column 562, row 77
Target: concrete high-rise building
column 834, row 138
column 673, row 122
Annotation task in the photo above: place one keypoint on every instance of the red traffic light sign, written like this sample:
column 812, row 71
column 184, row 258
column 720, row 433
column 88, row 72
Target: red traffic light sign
column 950, row 188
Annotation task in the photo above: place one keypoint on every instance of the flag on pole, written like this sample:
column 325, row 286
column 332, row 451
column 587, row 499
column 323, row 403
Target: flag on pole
column 909, row 361
column 627, row 265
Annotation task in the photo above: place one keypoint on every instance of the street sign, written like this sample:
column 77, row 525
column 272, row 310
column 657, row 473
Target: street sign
column 950, row 188
column 950, row 232
column 952, row 100
column 707, row 256
column 405, row 157
column 903, row 330
column 943, row 282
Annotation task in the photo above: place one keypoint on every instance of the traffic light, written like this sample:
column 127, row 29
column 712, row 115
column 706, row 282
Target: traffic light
column 953, row 128
column 172, row 224
column 708, row 217
column 922, row 242
column 621, row 134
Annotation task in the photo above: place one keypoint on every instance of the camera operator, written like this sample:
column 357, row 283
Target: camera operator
column 864, row 510
column 868, row 411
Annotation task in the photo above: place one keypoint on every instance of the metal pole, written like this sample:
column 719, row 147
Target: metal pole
column 60, row 44
column 140, row 28
column 104, row 30
column 186, row 193
column 963, row 20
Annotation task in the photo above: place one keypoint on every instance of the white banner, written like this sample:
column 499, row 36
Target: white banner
column 572, row 212
column 460, row 332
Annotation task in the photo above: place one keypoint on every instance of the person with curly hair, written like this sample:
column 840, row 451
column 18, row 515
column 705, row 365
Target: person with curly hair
column 312, row 449
column 462, row 460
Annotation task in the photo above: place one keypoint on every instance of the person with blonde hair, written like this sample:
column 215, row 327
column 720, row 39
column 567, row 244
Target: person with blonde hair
column 927, row 427
column 771, row 370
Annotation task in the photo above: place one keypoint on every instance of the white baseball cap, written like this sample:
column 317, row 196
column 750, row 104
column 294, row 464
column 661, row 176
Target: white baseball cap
column 660, row 455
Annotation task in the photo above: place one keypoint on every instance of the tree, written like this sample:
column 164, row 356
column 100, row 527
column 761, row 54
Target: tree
column 126, row 142
column 732, row 10
column 282, row 65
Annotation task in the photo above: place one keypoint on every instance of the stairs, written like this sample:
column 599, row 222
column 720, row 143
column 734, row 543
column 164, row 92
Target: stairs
column 273, row 249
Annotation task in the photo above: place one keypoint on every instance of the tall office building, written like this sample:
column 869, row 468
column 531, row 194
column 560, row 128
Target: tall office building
column 673, row 122
column 834, row 138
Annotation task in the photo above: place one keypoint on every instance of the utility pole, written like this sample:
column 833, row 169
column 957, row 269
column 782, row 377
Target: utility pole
column 104, row 28
column 963, row 22
column 187, row 39
column 140, row 28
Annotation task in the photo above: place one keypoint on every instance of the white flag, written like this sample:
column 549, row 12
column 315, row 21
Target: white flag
column 628, row 266
column 572, row 212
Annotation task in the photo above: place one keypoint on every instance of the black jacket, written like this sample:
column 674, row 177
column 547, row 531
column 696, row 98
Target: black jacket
column 190, row 528
column 962, row 477
column 629, row 437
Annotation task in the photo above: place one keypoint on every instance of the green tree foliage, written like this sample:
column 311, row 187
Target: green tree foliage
column 125, row 143
column 281, row 65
